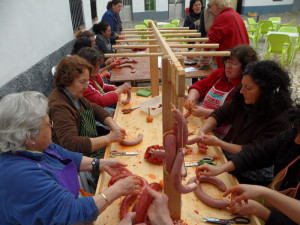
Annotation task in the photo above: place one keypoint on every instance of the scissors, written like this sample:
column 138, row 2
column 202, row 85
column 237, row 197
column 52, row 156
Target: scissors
column 115, row 153
column 126, row 111
column 236, row 220
column 202, row 161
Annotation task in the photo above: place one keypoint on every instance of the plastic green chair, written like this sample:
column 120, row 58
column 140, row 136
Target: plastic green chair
column 287, row 24
column 255, row 36
column 279, row 44
column 141, row 26
column 146, row 22
column 252, row 25
column 274, row 24
column 297, row 47
column 175, row 22
column 266, row 27
column 170, row 25
column 288, row 29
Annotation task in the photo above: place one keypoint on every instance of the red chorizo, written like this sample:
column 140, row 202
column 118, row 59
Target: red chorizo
column 127, row 201
column 194, row 140
column 177, row 177
column 125, row 102
column 134, row 142
column 170, row 151
column 159, row 154
column 144, row 202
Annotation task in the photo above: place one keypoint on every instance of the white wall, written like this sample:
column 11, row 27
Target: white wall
column 87, row 14
column 138, row 6
column 101, row 8
column 31, row 30
column 161, row 5
column 266, row 2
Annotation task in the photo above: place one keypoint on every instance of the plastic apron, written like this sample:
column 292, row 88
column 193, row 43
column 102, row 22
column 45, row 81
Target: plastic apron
column 67, row 177
column 214, row 99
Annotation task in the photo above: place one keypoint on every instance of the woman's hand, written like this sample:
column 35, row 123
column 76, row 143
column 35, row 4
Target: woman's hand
column 109, row 61
column 116, row 135
column 128, row 185
column 251, row 208
column 105, row 73
column 158, row 211
column 200, row 111
column 204, row 61
column 113, row 167
column 123, row 88
column 211, row 140
column 189, row 104
column 208, row 170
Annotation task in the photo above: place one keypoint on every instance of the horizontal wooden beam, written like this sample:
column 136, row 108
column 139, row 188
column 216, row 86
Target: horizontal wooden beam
column 135, row 46
column 136, row 35
column 132, row 54
column 162, row 31
column 135, row 40
column 182, row 35
column 194, row 45
column 173, row 28
column 204, row 53
column 187, row 40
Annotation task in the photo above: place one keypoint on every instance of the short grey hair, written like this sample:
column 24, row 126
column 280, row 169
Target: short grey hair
column 222, row 3
column 21, row 115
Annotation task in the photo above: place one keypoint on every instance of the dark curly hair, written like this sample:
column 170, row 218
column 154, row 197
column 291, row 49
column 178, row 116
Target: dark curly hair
column 294, row 116
column 112, row 2
column 69, row 69
column 81, row 43
column 244, row 54
column 91, row 55
column 98, row 28
column 86, row 33
column 192, row 2
column 274, row 87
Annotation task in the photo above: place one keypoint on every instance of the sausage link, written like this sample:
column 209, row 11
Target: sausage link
column 194, row 140
column 117, row 177
column 144, row 202
column 127, row 201
column 125, row 102
column 182, row 131
column 176, row 177
column 159, row 154
column 134, row 142
column 170, row 148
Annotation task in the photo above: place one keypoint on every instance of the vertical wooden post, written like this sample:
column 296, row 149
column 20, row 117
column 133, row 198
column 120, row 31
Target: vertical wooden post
column 168, row 94
column 154, row 70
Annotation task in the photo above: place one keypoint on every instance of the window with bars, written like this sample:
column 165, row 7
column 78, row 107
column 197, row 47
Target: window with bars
column 127, row 2
column 93, row 9
column 150, row 5
column 76, row 14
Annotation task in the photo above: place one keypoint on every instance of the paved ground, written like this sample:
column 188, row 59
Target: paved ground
column 294, row 70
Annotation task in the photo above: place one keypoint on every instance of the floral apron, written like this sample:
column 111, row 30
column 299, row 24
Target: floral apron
column 214, row 99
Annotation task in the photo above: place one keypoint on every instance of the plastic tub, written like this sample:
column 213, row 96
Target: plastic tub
column 154, row 104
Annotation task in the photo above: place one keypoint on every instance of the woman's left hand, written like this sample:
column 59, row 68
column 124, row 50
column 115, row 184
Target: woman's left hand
column 211, row 140
column 199, row 111
column 113, row 167
column 129, row 219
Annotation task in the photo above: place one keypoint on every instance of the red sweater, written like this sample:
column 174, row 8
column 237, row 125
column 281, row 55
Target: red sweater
column 94, row 95
column 225, row 32
column 204, row 85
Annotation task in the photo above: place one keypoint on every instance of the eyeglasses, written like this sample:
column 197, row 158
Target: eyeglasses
column 229, row 62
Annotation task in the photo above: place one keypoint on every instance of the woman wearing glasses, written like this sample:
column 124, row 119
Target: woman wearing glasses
column 257, row 111
column 218, row 87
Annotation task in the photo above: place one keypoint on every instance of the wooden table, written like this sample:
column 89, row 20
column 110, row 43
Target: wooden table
column 134, row 123
column 142, row 72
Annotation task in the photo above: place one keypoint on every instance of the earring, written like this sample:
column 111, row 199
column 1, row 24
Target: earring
column 33, row 143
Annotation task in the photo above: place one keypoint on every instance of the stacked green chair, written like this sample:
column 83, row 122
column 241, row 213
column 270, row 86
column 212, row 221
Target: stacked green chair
column 175, row 22
column 255, row 36
column 266, row 27
column 288, row 29
column 146, row 22
column 297, row 47
column 278, row 19
column 287, row 24
column 252, row 25
column 279, row 44
column 141, row 26
column 169, row 25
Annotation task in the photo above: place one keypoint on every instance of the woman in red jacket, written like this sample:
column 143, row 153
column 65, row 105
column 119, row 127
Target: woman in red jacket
column 98, row 92
column 219, row 85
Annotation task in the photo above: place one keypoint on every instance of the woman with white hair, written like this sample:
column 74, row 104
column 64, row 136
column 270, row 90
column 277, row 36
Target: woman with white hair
column 39, row 182
column 228, row 29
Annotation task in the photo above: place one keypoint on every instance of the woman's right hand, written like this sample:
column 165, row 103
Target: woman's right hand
column 128, row 185
column 124, row 88
column 204, row 61
column 116, row 135
column 208, row 170
column 189, row 104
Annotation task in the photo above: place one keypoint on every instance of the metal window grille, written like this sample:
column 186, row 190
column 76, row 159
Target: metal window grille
column 127, row 2
column 76, row 14
column 149, row 5
column 93, row 9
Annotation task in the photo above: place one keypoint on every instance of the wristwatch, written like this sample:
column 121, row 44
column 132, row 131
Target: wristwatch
column 96, row 164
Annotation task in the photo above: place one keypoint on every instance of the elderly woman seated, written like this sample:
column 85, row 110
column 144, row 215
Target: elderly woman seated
column 218, row 87
column 39, row 182
column 257, row 111
column 74, row 116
